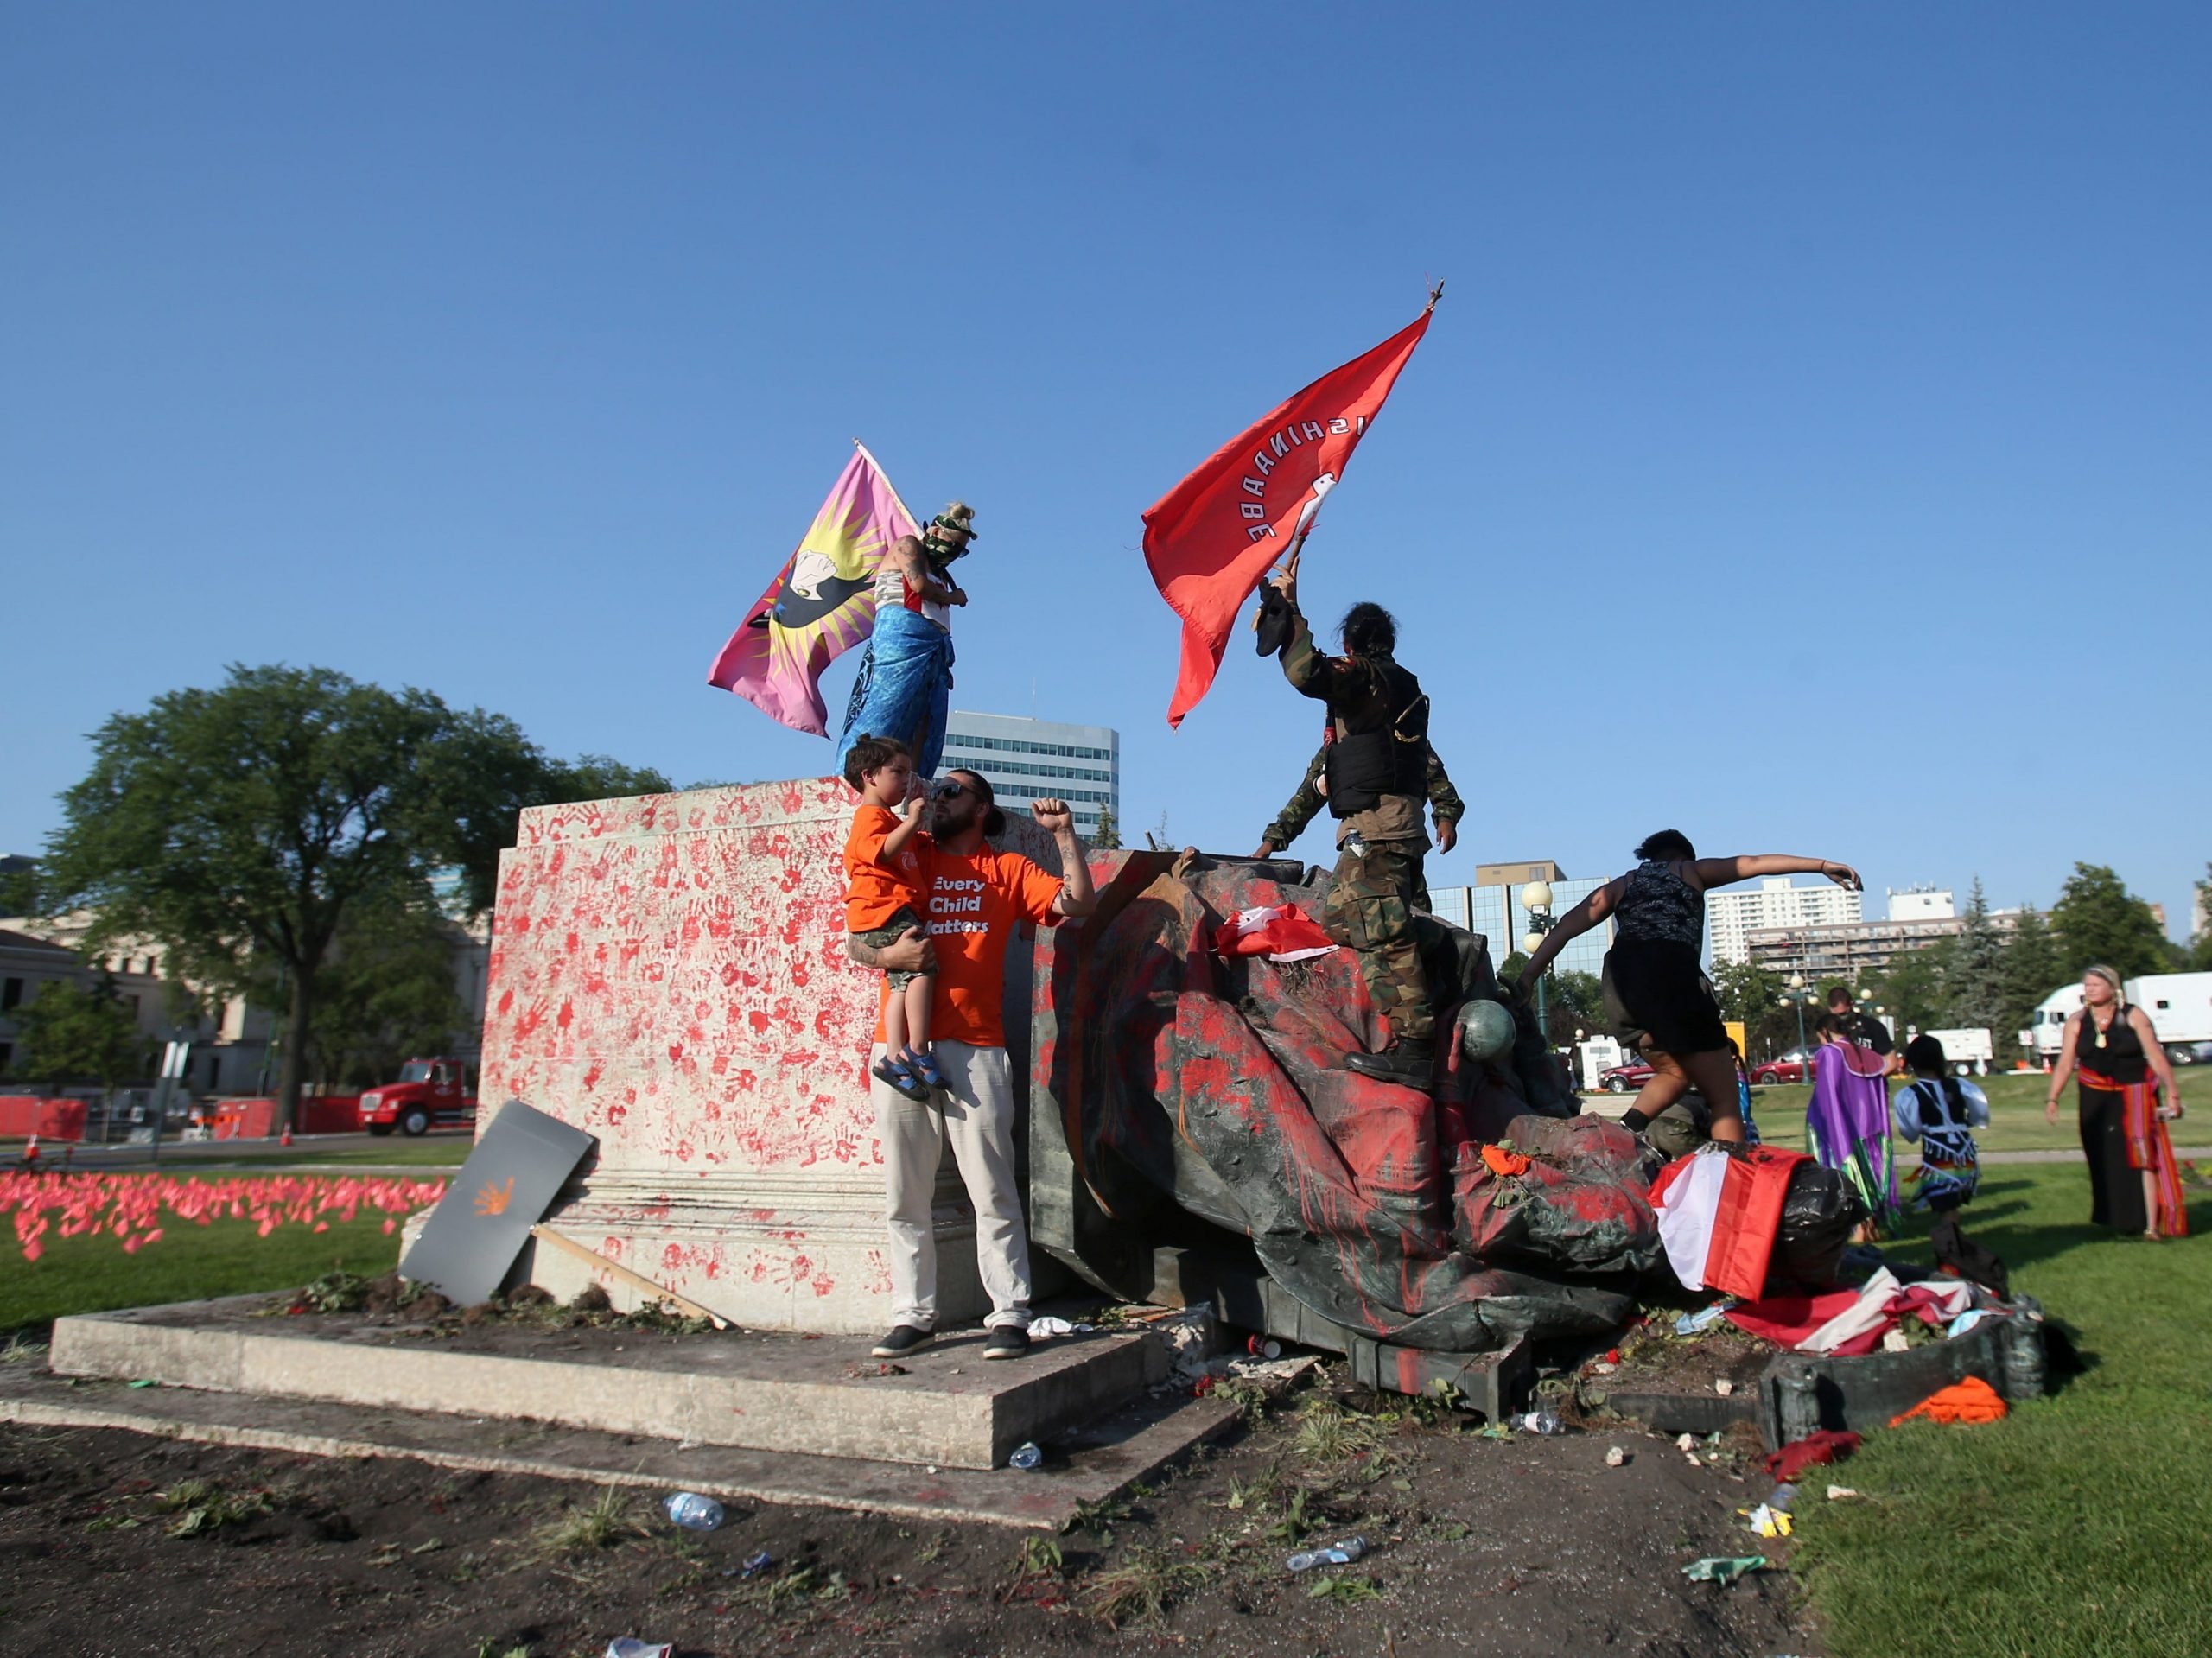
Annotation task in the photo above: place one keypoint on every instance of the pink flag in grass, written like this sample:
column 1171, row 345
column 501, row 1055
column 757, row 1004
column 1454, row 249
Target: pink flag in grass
column 821, row 602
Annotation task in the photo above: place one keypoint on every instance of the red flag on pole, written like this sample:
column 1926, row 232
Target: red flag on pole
column 1210, row 539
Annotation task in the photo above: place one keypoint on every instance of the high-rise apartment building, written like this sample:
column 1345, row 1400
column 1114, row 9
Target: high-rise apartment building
column 1731, row 912
column 1029, row 759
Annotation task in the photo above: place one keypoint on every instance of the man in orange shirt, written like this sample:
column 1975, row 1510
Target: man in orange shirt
column 976, row 897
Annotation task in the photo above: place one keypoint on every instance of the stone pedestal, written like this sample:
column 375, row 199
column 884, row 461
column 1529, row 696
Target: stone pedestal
column 668, row 973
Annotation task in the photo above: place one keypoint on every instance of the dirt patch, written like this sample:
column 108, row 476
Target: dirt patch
column 1515, row 1545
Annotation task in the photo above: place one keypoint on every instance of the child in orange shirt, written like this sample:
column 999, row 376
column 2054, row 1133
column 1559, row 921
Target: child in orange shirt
column 885, row 859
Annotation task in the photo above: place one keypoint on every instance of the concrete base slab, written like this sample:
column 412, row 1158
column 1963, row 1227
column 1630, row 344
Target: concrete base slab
column 1088, row 1466
column 778, row 1393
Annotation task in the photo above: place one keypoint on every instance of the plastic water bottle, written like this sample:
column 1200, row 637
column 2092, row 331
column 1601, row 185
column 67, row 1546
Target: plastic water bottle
column 1342, row 1553
column 693, row 1512
column 1784, row 1496
column 1025, row 1456
column 1537, row 1421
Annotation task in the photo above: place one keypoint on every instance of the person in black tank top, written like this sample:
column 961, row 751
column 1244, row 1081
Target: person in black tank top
column 2127, row 1098
column 1657, row 994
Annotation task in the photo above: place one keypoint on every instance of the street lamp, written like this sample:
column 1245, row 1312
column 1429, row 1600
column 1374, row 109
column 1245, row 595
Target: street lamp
column 1797, row 997
column 1536, row 900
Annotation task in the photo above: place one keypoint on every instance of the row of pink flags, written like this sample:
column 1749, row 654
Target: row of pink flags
column 1209, row 543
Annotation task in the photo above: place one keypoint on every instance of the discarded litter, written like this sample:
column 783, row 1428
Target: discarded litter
column 1692, row 1324
column 1723, row 1569
column 1026, row 1456
column 1840, row 1493
column 1536, row 1421
column 1724, row 1386
column 1767, row 1520
column 1615, row 1457
column 628, row 1645
column 1781, row 1498
column 693, row 1512
column 756, row 1564
column 1263, row 1347
column 146, row 1384
column 1048, row 1324
column 1342, row 1553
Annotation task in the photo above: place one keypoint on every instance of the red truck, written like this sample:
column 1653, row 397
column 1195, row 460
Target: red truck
column 429, row 1094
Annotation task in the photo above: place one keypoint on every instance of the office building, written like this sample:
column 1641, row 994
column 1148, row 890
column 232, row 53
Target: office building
column 1492, row 907
column 1027, row 759
column 1731, row 913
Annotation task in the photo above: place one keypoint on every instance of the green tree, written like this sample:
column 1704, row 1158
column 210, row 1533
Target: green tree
column 2033, row 969
column 71, row 1033
column 1108, row 836
column 387, row 994
column 1753, row 994
column 2098, row 920
column 1976, row 986
column 2200, row 955
column 19, row 886
column 1914, row 989
column 242, row 827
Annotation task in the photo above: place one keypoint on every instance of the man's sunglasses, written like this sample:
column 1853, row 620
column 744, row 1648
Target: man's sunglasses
column 952, row 790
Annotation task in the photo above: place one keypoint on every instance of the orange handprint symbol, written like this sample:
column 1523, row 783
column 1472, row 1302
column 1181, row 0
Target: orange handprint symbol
column 494, row 1200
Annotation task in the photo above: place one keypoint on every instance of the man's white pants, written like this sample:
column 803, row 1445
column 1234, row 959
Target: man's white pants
column 975, row 1113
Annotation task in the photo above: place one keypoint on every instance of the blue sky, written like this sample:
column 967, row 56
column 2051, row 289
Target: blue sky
column 1811, row 450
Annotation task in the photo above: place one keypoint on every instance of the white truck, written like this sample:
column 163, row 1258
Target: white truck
column 1969, row 1053
column 2179, row 1005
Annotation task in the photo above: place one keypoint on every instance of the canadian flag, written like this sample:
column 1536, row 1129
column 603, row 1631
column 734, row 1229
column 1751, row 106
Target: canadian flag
column 1718, row 1214
column 1281, row 932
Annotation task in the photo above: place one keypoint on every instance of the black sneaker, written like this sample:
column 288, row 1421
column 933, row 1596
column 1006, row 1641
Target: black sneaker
column 903, row 1340
column 1006, row 1342
column 1411, row 1065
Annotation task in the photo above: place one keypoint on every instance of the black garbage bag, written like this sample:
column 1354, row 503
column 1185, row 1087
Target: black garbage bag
column 1819, row 1213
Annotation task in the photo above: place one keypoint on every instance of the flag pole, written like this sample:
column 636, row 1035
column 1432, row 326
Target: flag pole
column 1306, row 529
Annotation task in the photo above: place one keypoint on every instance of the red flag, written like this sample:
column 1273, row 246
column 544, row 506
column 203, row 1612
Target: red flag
column 1210, row 539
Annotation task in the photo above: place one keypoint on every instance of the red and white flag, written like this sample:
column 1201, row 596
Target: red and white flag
column 1717, row 1216
column 1281, row 932
column 1210, row 538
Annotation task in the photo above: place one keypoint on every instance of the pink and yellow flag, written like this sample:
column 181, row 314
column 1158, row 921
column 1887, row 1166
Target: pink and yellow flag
column 821, row 602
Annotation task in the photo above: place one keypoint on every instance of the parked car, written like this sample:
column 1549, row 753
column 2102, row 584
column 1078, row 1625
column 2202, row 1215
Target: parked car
column 1782, row 1068
column 1624, row 1079
column 430, row 1093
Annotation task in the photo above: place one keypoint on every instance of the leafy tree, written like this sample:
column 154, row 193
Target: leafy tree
column 2200, row 955
column 1108, row 836
column 1752, row 993
column 1914, row 989
column 1976, row 986
column 243, row 826
column 2098, row 920
column 2033, row 969
column 19, row 886
column 71, row 1033
column 387, row 994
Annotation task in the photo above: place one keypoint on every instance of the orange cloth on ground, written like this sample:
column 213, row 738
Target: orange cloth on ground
column 973, row 905
column 1970, row 1401
column 876, row 890
column 1498, row 1161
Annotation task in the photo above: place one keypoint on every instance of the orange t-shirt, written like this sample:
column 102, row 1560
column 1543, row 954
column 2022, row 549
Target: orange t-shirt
column 975, row 903
column 876, row 889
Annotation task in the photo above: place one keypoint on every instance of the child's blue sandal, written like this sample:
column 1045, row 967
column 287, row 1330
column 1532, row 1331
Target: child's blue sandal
column 923, row 1064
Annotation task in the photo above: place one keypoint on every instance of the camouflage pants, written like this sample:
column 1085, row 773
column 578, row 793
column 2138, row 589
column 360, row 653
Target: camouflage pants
column 1371, row 901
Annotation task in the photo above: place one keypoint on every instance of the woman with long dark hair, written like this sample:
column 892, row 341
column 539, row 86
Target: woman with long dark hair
column 1657, row 994
column 2134, row 1185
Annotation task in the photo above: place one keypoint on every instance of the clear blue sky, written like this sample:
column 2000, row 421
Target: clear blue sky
column 1813, row 451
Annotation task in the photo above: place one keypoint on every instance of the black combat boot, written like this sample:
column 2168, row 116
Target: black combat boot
column 1410, row 1065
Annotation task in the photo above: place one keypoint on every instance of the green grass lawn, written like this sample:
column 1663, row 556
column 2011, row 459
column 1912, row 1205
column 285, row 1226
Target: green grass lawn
column 2082, row 1524
column 2016, row 1120
column 450, row 1152
column 188, row 1262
